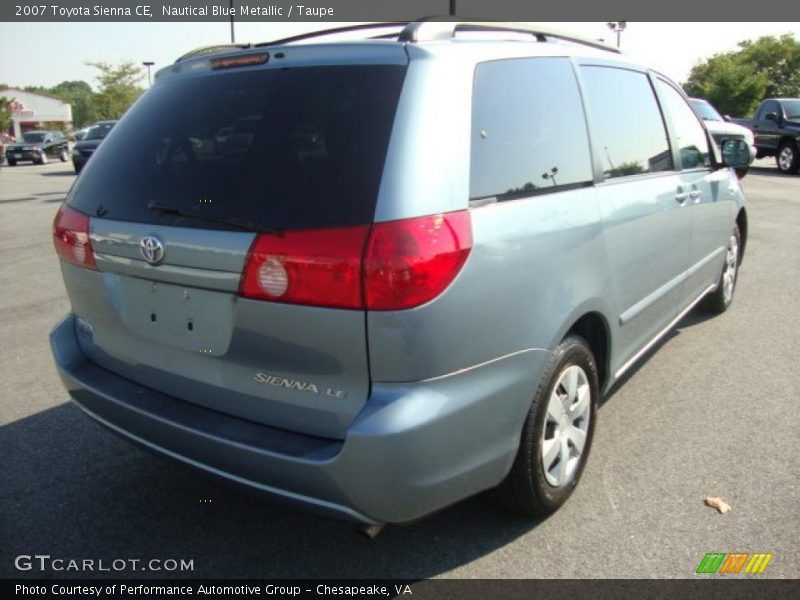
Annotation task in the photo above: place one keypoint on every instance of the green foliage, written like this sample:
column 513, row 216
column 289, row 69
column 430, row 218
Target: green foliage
column 118, row 88
column 5, row 113
column 732, row 87
column 779, row 60
column 80, row 95
column 735, row 82
column 527, row 188
column 626, row 168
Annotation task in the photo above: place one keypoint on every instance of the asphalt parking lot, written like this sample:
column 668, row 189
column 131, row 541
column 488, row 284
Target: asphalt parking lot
column 712, row 412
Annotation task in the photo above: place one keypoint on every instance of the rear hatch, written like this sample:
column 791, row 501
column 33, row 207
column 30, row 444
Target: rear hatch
column 210, row 170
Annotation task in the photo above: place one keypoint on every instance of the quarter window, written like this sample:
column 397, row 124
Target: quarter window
column 630, row 131
column 690, row 137
column 528, row 129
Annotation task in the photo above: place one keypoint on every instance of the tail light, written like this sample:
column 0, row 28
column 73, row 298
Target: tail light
column 321, row 267
column 389, row 266
column 71, row 237
column 409, row 262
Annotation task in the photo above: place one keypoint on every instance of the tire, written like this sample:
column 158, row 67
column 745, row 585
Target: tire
column 720, row 300
column 788, row 158
column 64, row 156
column 12, row 162
column 43, row 159
column 530, row 488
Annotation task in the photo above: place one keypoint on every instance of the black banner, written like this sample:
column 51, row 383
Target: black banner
column 439, row 589
column 392, row 10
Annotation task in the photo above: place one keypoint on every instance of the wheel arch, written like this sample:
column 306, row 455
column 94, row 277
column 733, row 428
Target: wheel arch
column 593, row 327
column 741, row 221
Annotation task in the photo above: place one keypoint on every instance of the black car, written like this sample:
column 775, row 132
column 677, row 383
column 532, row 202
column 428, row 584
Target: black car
column 776, row 126
column 84, row 148
column 37, row 147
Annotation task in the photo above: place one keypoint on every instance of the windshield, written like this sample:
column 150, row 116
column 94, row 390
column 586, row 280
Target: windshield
column 98, row 132
column 792, row 109
column 33, row 138
column 280, row 148
column 706, row 111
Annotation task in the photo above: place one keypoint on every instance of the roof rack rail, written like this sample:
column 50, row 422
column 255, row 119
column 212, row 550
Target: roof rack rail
column 435, row 29
column 423, row 30
column 214, row 49
column 399, row 25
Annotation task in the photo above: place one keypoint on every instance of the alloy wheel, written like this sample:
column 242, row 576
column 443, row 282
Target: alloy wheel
column 786, row 158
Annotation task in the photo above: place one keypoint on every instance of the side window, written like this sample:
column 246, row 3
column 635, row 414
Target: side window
column 768, row 107
column 528, row 129
column 626, row 121
column 690, row 137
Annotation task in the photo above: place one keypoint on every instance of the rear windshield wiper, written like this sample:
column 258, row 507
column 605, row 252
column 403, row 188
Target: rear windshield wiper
column 201, row 215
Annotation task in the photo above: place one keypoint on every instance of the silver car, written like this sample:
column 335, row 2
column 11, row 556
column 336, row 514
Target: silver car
column 408, row 279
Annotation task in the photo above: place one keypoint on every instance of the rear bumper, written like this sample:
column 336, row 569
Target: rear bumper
column 25, row 155
column 414, row 448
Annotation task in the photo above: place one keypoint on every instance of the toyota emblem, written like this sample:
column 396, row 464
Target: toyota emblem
column 152, row 249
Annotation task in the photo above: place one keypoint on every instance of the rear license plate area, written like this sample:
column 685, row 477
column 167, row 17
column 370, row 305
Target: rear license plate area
column 182, row 317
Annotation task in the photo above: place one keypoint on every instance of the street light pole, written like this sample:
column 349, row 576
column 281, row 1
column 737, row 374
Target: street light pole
column 233, row 37
column 617, row 27
column 148, row 64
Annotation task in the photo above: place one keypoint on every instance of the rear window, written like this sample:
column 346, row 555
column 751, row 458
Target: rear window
column 33, row 138
column 282, row 149
column 98, row 132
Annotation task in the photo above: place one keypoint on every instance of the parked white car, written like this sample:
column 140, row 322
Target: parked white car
column 721, row 128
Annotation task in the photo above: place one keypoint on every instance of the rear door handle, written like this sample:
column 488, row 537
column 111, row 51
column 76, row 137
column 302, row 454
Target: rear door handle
column 695, row 195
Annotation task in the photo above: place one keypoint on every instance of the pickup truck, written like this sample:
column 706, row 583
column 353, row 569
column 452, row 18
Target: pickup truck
column 776, row 125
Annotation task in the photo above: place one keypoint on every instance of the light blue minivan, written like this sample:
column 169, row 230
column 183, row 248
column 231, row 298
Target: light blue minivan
column 376, row 277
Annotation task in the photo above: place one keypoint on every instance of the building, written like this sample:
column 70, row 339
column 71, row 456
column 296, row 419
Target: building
column 30, row 110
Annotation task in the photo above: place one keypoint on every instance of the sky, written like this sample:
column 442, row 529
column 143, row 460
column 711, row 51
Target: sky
column 57, row 52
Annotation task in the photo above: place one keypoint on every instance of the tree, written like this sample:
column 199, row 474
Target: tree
column 735, row 82
column 732, row 87
column 626, row 168
column 5, row 113
column 779, row 60
column 80, row 95
column 118, row 88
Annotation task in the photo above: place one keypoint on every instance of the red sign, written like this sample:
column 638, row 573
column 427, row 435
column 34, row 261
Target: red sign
column 18, row 108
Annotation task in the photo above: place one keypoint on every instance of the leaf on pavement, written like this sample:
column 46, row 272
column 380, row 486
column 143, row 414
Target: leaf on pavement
column 718, row 503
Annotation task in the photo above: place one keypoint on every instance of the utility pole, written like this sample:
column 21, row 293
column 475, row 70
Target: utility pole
column 452, row 8
column 148, row 64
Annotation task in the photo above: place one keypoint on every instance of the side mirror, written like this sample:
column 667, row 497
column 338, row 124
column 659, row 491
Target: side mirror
column 771, row 116
column 736, row 153
column 726, row 118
